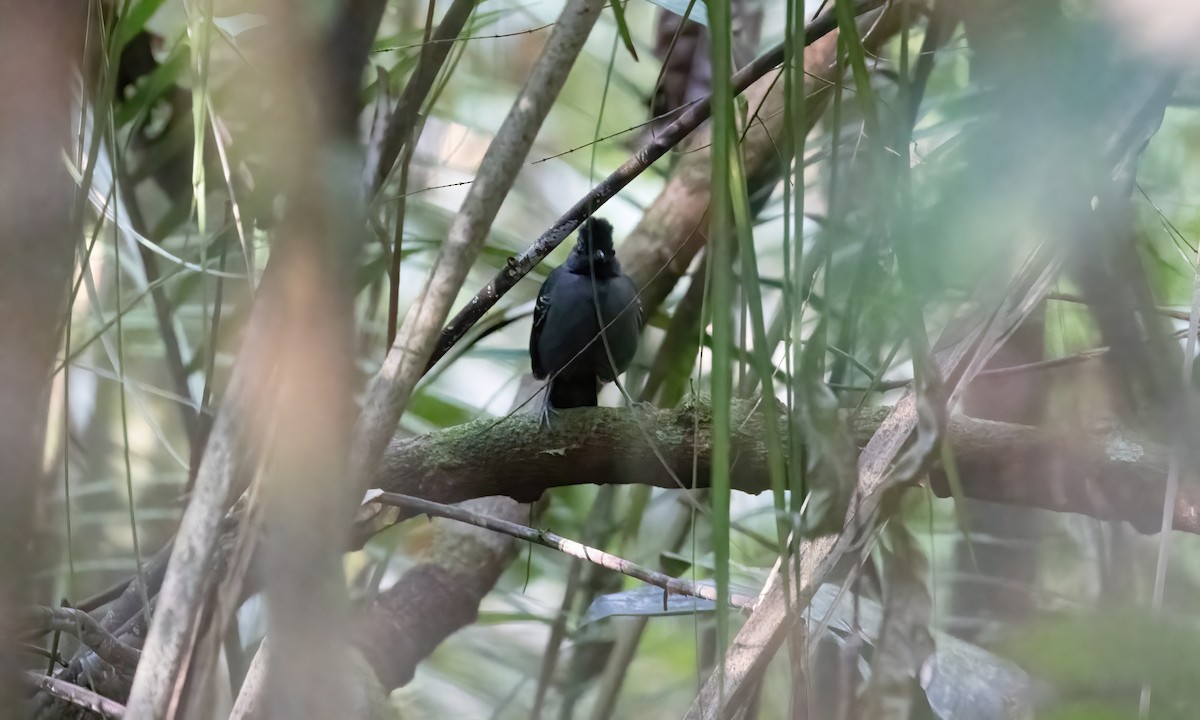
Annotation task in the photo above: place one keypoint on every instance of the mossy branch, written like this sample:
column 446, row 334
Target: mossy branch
column 1108, row 476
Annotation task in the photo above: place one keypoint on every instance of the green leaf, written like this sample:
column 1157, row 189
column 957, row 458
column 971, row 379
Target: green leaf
column 721, row 249
column 133, row 21
column 623, row 27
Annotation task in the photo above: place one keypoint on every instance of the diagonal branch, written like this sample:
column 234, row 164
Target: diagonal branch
column 403, row 121
column 439, row 594
column 670, row 585
column 689, row 120
column 76, row 695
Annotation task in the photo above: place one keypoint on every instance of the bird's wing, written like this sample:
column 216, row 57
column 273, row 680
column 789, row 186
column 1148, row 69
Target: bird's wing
column 637, row 301
column 541, row 309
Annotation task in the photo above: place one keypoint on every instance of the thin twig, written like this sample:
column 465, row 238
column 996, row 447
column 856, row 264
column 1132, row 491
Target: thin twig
column 404, row 120
column 1078, row 357
column 78, row 696
column 1080, row 300
column 992, row 373
column 85, row 627
column 468, row 38
column 672, row 585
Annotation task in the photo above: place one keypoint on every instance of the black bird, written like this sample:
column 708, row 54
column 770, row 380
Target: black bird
column 586, row 293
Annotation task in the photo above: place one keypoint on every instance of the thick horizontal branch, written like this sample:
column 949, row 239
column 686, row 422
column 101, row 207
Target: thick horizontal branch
column 1106, row 476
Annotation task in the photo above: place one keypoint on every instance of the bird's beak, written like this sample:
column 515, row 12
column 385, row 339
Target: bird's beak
column 600, row 257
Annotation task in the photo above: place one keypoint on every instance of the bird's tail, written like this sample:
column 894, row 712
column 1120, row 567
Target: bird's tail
column 573, row 392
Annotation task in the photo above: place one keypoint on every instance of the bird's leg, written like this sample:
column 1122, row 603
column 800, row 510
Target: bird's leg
column 632, row 404
column 547, row 412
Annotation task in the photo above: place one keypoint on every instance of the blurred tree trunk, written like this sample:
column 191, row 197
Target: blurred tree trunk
column 38, row 42
column 997, row 566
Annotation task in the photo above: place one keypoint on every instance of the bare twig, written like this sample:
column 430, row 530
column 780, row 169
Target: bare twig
column 172, row 347
column 1009, row 370
column 404, row 120
column 176, row 367
column 439, row 594
column 671, row 585
column 78, row 696
column 84, row 626
column 1080, row 300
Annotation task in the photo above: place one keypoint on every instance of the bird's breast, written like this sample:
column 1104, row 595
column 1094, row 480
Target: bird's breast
column 578, row 311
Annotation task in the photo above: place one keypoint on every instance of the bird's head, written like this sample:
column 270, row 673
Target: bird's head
column 593, row 253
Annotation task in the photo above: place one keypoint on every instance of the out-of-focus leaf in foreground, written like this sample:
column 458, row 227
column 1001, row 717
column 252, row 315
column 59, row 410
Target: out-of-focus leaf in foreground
column 1102, row 659
column 960, row 680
